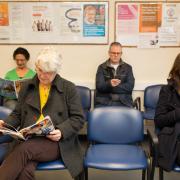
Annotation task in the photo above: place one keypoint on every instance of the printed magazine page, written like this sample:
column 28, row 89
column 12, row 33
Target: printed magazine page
column 18, row 85
column 7, row 89
column 10, row 89
column 41, row 128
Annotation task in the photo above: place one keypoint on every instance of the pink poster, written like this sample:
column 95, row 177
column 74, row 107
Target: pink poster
column 127, row 12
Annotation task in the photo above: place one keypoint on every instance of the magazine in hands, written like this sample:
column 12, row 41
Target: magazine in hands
column 41, row 128
column 10, row 89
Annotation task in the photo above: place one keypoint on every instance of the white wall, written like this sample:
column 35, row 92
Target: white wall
column 80, row 61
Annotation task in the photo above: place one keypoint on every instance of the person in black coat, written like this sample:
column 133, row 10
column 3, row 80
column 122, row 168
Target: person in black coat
column 167, row 119
column 114, row 80
column 46, row 94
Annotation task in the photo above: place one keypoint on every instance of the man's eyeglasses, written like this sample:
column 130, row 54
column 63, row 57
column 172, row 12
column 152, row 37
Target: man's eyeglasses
column 115, row 53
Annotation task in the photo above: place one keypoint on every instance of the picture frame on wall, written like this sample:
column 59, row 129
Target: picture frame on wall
column 67, row 22
column 147, row 24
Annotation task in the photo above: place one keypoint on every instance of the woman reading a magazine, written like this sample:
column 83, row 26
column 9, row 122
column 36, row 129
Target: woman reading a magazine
column 21, row 57
column 47, row 94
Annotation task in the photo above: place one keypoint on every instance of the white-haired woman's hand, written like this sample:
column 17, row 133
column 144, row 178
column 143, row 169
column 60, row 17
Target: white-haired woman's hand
column 55, row 135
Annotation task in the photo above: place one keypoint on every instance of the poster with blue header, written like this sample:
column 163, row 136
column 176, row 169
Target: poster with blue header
column 94, row 20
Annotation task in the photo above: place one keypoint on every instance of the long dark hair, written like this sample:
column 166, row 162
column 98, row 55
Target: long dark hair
column 174, row 74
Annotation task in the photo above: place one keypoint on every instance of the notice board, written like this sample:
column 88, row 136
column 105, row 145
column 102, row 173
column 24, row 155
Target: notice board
column 147, row 24
column 54, row 22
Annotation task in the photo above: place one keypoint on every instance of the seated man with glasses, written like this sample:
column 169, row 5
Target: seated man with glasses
column 114, row 80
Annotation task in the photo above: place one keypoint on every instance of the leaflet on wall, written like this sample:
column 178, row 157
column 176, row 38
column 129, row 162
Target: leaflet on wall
column 4, row 22
column 11, row 23
column 168, row 36
column 4, row 10
column 169, row 32
column 42, row 24
column 93, row 20
column 149, row 22
column 16, row 17
column 69, row 27
column 148, row 40
column 127, row 23
column 150, row 17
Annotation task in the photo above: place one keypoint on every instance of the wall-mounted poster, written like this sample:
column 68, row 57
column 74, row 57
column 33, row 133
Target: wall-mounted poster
column 54, row 22
column 147, row 25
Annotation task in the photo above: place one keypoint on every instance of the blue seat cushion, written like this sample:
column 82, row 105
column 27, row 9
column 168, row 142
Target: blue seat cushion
column 149, row 114
column 5, row 138
column 176, row 168
column 51, row 165
column 86, row 112
column 115, row 157
column 3, row 151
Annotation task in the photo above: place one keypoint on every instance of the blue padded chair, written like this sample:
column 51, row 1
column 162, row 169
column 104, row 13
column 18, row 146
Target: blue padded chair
column 4, row 112
column 115, row 132
column 1, row 100
column 55, row 165
column 85, row 95
column 153, row 142
column 3, row 151
column 151, row 96
column 136, row 102
column 4, row 139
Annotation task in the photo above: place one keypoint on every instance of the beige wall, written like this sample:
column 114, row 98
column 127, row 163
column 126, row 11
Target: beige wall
column 80, row 61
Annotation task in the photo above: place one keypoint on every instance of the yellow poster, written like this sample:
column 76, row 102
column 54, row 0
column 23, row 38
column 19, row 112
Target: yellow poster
column 4, row 16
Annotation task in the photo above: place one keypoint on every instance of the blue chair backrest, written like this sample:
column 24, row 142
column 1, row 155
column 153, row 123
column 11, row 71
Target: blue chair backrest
column 4, row 112
column 115, row 125
column 151, row 96
column 1, row 100
column 85, row 95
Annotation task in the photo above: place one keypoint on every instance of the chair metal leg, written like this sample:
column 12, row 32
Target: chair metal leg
column 148, row 174
column 80, row 176
column 149, row 170
column 143, row 174
column 86, row 173
column 152, row 169
column 161, row 174
column 77, row 178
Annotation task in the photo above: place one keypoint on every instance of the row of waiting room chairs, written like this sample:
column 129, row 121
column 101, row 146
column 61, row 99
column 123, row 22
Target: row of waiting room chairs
column 115, row 131
column 116, row 134
column 151, row 95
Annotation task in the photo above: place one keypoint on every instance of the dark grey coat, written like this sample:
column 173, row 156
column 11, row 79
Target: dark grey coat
column 64, row 108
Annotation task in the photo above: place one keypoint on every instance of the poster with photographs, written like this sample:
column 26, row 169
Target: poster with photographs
column 94, row 20
column 54, row 22
column 147, row 25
